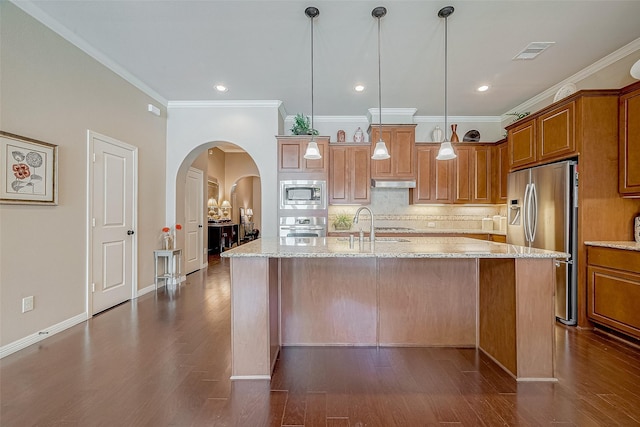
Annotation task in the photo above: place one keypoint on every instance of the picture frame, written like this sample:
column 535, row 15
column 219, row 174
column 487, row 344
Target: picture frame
column 29, row 171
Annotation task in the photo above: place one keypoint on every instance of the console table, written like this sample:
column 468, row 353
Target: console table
column 222, row 236
column 172, row 266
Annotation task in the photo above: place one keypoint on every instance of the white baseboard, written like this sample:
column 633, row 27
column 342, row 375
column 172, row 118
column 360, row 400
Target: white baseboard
column 40, row 335
column 143, row 291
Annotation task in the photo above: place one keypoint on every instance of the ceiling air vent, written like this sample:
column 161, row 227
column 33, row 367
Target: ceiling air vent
column 533, row 49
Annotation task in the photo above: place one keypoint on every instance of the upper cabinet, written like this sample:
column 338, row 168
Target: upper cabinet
column 400, row 140
column 291, row 151
column 349, row 174
column 465, row 179
column 629, row 141
column 499, row 171
column 558, row 131
column 433, row 177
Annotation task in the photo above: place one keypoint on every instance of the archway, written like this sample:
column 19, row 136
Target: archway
column 223, row 164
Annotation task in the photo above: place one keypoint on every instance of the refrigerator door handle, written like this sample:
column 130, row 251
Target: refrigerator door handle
column 533, row 204
column 525, row 213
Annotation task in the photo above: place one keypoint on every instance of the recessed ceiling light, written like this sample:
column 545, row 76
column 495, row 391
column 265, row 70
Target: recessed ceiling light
column 359, row 88
column 483, row 88
column 221, row 88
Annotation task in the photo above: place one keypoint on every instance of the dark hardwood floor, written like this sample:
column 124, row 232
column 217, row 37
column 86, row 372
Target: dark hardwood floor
column 164, row 360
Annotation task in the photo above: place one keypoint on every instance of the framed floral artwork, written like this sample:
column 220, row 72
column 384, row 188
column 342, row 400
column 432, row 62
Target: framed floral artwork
column 29, row 171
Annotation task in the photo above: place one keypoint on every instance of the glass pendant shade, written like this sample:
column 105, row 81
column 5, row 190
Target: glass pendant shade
column 312, row 152
column 446, row 152
column 380, row 152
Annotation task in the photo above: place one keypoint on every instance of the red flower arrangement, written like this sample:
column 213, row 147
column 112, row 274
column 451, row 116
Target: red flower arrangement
column 169, row 236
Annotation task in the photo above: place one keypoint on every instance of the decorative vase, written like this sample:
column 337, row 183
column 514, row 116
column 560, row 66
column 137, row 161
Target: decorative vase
column 636, row 229
column 454, row 135
column 167, row 242
column 341, row 136
column 358, row 136
column 437, row 134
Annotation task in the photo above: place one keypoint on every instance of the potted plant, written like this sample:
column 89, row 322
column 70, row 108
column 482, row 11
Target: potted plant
column 342, row 221
column 302, row 126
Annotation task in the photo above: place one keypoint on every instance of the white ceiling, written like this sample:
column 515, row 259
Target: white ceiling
column 260, row 49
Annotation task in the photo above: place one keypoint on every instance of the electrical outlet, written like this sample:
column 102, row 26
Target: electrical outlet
column 431, row 224
column 27, row 304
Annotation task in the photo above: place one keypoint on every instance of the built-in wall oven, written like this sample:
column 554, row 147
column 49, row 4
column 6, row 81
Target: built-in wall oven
column 303, row 194
column 308, row 226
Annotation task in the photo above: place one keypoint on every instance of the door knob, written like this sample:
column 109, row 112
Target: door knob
column 199, row 225
column 130, row 232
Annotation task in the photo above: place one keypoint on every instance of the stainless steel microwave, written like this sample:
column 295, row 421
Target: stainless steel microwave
column 303, row 194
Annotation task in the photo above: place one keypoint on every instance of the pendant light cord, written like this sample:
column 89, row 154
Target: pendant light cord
column 445, row 77
column 379, row 87
column 312, row 135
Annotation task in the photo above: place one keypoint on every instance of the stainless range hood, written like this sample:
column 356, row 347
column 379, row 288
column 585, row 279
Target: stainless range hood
column 388, row 183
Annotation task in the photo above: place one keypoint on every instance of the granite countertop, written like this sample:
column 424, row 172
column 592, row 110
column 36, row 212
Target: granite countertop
column 411, row 247
column 407, row 230
column 625, row 245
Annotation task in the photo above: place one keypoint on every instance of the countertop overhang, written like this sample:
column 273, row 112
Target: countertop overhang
column 413, row 247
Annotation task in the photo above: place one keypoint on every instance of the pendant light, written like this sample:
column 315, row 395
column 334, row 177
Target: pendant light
column 380, row 152
column 312, row 152
column 446, row 149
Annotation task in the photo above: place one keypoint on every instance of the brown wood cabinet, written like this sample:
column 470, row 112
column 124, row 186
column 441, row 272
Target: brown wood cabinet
column 291, row 151
column 473, row 174
column 614, row 289
column 629, row 141
column 400, row 140
column 434, row 178
column 500, row 171
column 465, row 179
column 544, row 137
column 522, row 144
column 349, row 174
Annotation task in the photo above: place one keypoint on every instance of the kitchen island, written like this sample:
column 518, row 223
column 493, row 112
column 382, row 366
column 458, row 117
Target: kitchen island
column 424, row 291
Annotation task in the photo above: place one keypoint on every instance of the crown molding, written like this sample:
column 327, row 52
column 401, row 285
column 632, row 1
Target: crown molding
column 613, row 57
column 220, row 104
column 35, row 12
column 458, row 119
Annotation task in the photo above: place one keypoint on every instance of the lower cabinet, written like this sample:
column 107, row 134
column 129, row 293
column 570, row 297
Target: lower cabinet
column 614, row 289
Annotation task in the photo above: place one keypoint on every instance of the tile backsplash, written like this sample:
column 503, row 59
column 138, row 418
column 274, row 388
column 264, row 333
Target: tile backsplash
column 391, row 207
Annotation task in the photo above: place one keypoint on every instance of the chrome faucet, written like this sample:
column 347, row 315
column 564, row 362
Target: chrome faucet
column 372, row 235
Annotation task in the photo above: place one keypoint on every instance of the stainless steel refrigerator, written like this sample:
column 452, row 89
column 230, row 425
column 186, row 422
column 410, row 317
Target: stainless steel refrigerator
column 542, row 213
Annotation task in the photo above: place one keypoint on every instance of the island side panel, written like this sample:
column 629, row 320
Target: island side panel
column 535, row 318
column 250, row 347
column 428, row 302
column 274, row 312
column 328, row 301
column 497, row 311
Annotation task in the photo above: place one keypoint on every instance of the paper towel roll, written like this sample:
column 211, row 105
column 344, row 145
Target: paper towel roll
column 496, row 222
column 503, row 224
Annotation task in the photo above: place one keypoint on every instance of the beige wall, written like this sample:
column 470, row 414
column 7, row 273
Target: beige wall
column 52, row 91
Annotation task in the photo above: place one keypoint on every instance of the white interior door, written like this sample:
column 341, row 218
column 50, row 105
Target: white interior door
column 194, row 207
column 113, row 180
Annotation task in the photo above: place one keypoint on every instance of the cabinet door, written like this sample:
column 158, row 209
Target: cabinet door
column 502, row 171
column 291, row 155
column 400, row 142
column 360, row 179
column 425, row 191
column 349, row 175
column 481, row 178
column 444, row 170
column 338, row 175
column 522, row 144
column 629, row 144
column 556, row 133
column 463, row 173
column 403, row 149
